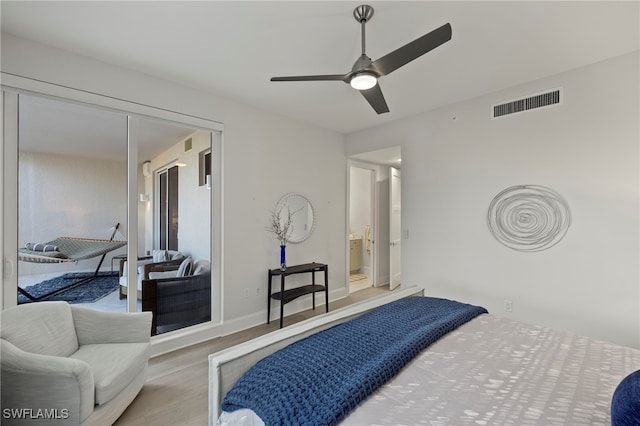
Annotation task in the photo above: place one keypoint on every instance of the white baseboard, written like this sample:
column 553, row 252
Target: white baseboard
column 169, row 342
column 164, row 343
column 301, row 304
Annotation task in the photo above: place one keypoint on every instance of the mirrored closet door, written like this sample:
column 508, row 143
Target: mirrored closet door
column 82, row 173
column 72, row 202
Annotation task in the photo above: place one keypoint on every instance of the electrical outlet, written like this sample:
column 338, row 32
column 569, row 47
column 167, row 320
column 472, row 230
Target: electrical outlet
column 245, row 293
column 508, row 305
column 258, row 292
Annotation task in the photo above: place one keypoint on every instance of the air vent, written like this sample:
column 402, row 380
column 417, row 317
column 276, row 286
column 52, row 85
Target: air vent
column 532, row 102
column 188, row 144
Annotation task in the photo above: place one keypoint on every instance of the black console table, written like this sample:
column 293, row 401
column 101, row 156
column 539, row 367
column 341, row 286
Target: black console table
column 286, row 296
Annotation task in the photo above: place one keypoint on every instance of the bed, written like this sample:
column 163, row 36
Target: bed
column 486, row 371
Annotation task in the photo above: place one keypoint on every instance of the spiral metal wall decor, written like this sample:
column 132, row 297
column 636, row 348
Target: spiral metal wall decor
column 528, row 217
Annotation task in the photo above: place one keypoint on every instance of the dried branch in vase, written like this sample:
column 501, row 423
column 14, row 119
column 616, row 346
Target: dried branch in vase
column 282, row 227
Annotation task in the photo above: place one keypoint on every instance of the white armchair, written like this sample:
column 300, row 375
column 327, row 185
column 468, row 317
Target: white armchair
column 68, row 365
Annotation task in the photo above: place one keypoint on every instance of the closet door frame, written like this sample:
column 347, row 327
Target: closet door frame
column 12, row 87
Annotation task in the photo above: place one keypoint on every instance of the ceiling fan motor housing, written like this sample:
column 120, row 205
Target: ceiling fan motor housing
column 363, row 13
column 363, row 63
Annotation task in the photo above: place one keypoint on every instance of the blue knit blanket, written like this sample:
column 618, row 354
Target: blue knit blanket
column 320, row 379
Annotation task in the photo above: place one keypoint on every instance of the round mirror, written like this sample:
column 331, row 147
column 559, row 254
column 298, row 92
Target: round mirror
column 302, row 215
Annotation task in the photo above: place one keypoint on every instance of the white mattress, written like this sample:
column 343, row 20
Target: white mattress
column 497, row 371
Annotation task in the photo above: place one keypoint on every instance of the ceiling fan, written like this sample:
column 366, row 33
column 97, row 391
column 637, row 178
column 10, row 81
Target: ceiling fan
column 365, row 73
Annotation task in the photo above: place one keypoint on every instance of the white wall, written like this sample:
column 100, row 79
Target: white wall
column 54, row 202
column 264, row 157
column 456, row 159
column 194, row 200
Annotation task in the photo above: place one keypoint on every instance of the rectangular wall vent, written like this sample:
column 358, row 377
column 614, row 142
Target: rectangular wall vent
column 532, row 102
column 188, row 144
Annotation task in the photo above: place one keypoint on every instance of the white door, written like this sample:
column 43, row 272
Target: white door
column 395, row 228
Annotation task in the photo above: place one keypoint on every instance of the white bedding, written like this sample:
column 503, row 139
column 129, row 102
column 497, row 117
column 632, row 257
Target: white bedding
column 497, row 371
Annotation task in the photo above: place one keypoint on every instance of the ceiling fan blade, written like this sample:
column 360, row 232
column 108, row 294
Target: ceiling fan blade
column 330, row 77
column 376, row 99
column 413, row 50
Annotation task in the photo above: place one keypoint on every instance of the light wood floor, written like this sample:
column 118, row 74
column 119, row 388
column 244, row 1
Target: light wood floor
column 176, row 390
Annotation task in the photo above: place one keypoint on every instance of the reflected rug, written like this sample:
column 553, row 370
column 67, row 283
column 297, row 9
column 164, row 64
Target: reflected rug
column 88, row 292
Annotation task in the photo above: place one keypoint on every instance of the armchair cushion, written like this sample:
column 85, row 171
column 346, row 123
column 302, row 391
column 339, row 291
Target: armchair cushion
column 113, row 366
column 141, row 263
column 156, row 257
column 164, row 255
column 163, row 274
column 160, row 256
column 109, row 327
column 45, row 329
column 184, row 270
column 146, row 266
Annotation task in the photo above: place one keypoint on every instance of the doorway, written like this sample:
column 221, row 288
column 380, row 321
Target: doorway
column 373, row 184
column 362, row 180
column 395, row 228
column 168, row 208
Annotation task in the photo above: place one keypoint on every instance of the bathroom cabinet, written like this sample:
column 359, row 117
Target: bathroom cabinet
column 355, row 254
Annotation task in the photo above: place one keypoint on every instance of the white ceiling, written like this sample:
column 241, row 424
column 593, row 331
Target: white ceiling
column 51, row 126
column 232, row 49
column 387, row 156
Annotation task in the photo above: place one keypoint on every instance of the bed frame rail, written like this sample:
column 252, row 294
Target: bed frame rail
column 226, row 366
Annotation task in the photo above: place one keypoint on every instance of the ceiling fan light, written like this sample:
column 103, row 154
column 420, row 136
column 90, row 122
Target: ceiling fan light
column 363, row 81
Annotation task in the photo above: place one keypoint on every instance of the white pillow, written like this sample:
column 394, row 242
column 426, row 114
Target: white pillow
column 185, row 267
column 201, row 267
column 161, row 275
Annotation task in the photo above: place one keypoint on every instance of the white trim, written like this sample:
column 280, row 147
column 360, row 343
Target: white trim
column 299, row 305
column 40, row 88
column 373, row 255
column 179, row 339
column 347, row 226
column 9, row 181
column 217, row 227
column 375, row 199
column 132, row 212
